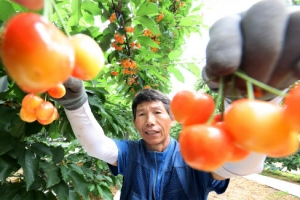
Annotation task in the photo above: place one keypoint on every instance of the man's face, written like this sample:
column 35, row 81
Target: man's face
column 153, row 123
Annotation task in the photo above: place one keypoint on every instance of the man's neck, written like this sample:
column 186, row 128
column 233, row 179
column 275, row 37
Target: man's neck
column 159, row 147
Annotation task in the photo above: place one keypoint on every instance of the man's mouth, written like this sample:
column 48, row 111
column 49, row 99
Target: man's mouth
column 151, row 132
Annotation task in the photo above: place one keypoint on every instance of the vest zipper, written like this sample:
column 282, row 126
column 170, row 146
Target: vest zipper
column 155, row 175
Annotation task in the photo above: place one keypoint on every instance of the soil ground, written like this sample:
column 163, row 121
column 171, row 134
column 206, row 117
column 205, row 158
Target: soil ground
column 243, row 189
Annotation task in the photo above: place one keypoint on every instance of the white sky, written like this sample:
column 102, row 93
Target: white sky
column 212, row 11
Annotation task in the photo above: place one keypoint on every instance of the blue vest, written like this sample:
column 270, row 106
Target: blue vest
column 161, row 175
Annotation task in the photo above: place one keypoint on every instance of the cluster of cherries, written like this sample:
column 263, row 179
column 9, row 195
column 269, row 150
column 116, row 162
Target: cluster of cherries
column 208, row 140
column 45, row 61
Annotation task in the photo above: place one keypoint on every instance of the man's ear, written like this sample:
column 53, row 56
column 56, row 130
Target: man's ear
column 173, row 121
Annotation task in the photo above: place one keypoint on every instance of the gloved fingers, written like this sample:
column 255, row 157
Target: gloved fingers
column 74, row 85
column 212, row 84
column 263, row 27
column 75, row 95
column 230, row 88
column 224, row 49
column 297, row 70
column 286, row 67
column 269, row 47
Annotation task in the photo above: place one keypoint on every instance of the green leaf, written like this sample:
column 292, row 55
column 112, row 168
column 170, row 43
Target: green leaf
column 147, row 8
column 32, row 128
column 73, row 195
column 64, row 172
column 87, row 18
column 88, row 172
column 6, row 143
column 18, row 130
column 150, row 55
column 176, row 73
column 98, row 89
column 63, row 125
column 138, row 30
column 73, row 158
column 187, row 32
column 146, row 41
column 68, row 134
column 19, row 93
column 76, row 13
column 105, row 41
column 9, row 113
column 149, row 23
column 80, row 184
column 197, row 8
column 115, row 127
column 94, row 31
column 190, row 21
column 62, row 190
column 7, row 166
column 6, row 10
column 169, row 16
column 50, row 196
column 9, row 191
column 52, row 130
column 136, row 2
column 93, row 100
column 41, row 149
column 112, row 27
column 29, row 163
column 33, row 194
column 174, row 55
column 194, row 69
column 58, row 154
column 76, row 168
column 109, row 179
column 91, row 7
column 51, row 172
column 104, row 192
column 38, row 181
column 105, row 13
column 156, row 74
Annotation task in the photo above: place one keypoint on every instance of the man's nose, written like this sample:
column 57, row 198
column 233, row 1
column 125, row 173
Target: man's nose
column 150, row 119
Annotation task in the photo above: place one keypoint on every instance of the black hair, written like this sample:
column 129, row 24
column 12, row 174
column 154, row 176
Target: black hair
column 150, row 95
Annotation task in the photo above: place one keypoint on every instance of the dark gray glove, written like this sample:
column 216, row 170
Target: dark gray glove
column 75, row 95
column 263, row 42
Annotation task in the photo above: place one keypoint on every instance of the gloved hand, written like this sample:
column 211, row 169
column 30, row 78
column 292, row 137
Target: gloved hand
column 75, row 95
column 263, row 42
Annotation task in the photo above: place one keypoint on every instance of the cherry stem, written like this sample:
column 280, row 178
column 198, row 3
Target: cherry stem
column 60, row 17
column 250, row 90
column 46, row 97
column 218, row 100
column 259, row 84
column 46, row 10
column 220, row 91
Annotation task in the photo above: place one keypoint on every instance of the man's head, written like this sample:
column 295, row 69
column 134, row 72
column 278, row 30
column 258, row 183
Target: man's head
column 152, row 118
column 150, row 95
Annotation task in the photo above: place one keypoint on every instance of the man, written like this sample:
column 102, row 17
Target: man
column 153, row 167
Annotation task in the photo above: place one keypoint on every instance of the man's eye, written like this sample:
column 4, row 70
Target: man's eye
column 141, row 114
